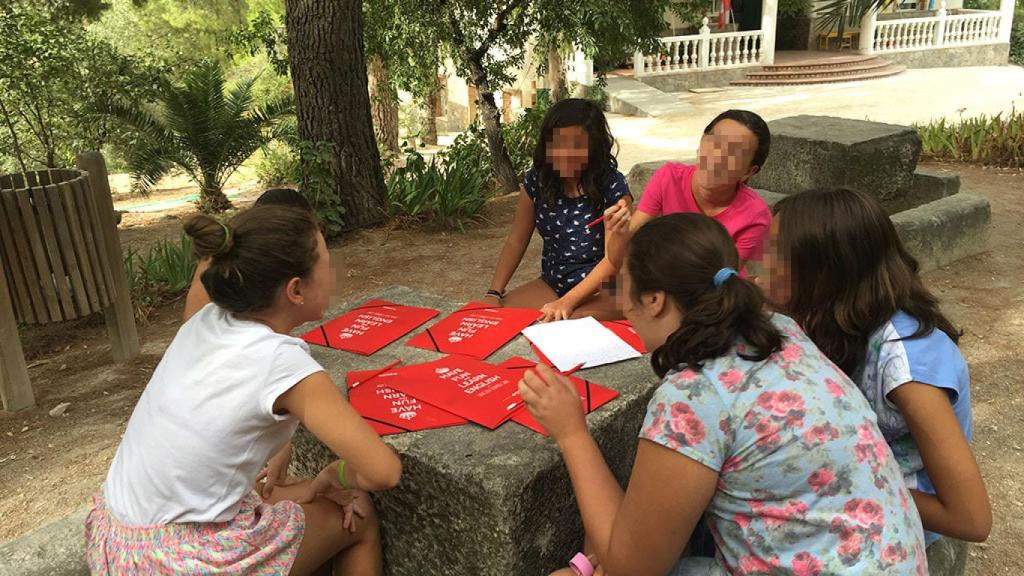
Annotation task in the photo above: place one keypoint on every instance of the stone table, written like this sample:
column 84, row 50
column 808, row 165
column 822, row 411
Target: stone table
column 480, row 502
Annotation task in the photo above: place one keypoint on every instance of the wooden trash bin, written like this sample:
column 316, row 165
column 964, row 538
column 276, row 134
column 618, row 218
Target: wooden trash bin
column 61, row 260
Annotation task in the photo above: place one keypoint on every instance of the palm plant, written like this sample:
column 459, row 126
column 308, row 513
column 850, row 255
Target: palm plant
column 201, row 128
column 838, row 14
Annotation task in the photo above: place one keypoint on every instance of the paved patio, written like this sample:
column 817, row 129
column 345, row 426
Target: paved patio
column 916, row 96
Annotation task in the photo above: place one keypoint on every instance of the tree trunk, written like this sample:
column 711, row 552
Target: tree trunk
column 384, row 103
column 332, row 104
column 212, row 199
column 429, row 113
column 508, row 180
column 556, row 80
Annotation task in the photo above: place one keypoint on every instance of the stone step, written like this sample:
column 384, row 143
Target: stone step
column 800, row 72
column 889, row 70
column 824, row 64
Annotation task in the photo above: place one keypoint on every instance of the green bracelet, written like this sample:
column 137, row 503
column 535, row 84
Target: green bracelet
column 341, row 475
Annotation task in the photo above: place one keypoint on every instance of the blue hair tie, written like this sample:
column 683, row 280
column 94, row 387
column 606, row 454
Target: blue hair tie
column 722, row 275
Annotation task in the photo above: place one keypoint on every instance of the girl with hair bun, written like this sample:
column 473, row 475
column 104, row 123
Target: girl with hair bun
column 752, row 427
column 215, row 422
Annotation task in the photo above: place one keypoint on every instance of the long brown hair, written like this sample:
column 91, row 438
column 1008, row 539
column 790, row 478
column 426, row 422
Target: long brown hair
column 254, row 254
column 601, row 162
column 680, row 255
column 849, row 273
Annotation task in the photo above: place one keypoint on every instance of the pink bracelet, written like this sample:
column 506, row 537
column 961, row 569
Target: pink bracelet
column 581, row 564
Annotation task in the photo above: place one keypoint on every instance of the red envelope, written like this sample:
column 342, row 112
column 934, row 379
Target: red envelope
column 475, row 330
column 594, row 395
column 370, row 327
column 478, row 391
column 622, row 328
column 390, row 411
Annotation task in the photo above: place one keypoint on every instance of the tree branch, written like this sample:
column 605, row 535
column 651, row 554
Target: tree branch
column 496, row 28
column 14, row 136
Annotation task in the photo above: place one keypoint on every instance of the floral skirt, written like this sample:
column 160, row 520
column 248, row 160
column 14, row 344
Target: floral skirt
column 260, row 539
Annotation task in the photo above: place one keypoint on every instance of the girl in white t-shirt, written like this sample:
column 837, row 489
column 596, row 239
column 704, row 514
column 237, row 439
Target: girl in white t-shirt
column 219, row 413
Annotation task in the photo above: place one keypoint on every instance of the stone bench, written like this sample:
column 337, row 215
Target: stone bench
column 481, row 502
column 937, row 223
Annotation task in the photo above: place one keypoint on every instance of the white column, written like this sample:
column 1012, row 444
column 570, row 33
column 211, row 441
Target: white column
column 704, row 45
column 940, row 28
column 769, row 21
column 867, row 32
column 638, row 64
column 1005, row 20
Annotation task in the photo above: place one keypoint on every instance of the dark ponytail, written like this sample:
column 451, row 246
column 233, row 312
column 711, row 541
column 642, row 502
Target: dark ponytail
column 254, row 254
column 680, row 256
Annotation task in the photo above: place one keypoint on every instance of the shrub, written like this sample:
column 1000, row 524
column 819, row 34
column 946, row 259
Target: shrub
column 278, row 166
column 992, row 140
column 318, row 186
column 445, row 191
column 160, row 273
column 521, row 136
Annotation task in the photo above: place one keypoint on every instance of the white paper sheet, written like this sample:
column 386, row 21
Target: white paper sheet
column 569, row 343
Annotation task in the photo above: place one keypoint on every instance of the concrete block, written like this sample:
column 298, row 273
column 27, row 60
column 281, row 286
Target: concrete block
column 683, row 81
column 632, row 98
column 474, row 501
column 927, row 186
column 57, row 549
column 946, row 230
column 824, row 152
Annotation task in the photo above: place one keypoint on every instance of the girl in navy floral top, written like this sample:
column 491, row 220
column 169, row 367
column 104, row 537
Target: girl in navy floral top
column 573, row 180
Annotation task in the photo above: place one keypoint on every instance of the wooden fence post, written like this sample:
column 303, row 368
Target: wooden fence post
column 15, row 387
column 119, row 315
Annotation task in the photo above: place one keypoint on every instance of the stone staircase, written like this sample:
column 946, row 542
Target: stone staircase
column 822, row 71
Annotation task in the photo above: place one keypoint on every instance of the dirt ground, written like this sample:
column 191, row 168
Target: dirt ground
column 50, row 466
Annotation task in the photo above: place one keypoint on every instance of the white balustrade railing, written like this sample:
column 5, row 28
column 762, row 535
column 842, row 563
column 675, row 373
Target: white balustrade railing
column 965, row 29
column 910, row 34
column 942, row 31
column 702, row 52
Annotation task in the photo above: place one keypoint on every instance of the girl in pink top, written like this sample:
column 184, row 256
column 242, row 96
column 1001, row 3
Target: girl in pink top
column 733, row 148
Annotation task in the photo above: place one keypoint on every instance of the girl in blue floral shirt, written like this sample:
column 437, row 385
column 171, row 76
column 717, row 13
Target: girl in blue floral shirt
column 752, row 428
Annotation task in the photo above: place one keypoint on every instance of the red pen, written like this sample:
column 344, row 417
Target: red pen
column 575, row 369
column 596, row 222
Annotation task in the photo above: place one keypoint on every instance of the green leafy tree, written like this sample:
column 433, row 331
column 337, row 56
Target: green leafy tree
column 201, row 128
column 178, row 33
column 53, row 76
column 488, row 41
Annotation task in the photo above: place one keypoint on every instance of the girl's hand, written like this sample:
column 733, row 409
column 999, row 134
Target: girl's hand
column 326, row 485
column 492, row 301
column 554, row 402
column 560, row 309
column 617, row 217
column 275, row 473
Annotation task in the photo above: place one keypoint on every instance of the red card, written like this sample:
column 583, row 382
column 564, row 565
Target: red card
column 475, row 390
column 370, row 327
column 475, row 330
column 622, row 328
column 390, row 411
column 594, row 395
